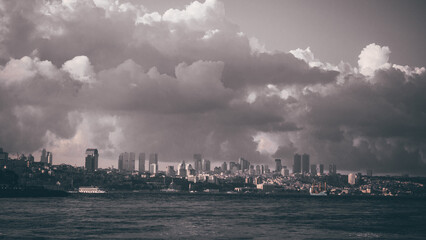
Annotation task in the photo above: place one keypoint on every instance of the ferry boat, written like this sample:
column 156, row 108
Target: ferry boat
column 90, row 190
column 318, row 189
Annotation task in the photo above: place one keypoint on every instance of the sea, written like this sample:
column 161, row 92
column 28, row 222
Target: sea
column 141, row 215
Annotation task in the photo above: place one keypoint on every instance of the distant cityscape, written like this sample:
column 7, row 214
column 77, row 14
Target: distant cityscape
column 199, row 176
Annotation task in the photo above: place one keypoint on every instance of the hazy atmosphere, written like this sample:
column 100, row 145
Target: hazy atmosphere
column 342, row 81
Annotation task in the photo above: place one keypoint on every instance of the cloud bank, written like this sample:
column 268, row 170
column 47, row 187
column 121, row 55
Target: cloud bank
column 116, row 76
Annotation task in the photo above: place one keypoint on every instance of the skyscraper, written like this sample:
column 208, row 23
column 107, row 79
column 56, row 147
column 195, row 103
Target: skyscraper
column 305, row 163
column 121, row 162
column 206, row 165
column 332, row 169
column 153, row 168
column 224, row 167
column 182, row 169
column 244, row 164
column 170, row 171
column 313, row 169
column 321, row 169
column 153, row 158
column 297, row 163
column 141, row 162
column 50, row 158
column 131, row 166
column 278, row 165
column 43, row 157
column 352, row 178
column 198, row 162
column 92, row 156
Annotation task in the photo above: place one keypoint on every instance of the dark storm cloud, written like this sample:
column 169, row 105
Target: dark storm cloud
column 116, row 76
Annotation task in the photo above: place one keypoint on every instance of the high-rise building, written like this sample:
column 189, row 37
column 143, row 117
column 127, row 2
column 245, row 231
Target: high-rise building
column 126, row 161
column 4, row 156
column 244, row 164
column 305, row 163
column 92, row 156
column 297, row 163
column 321, row 169
column 278, row 165
column 224, row 167
column 153, row 168
column 369, row 173
column 198, row 162
column 141, row 162
column 182, row 169
column 30, row 158
column 206, row 165
column 43, row 157
column 121, row 162
column 352, row 178
column 313, row 169
column 170, row 171
column 262, row 169
column 285, row 172
column 153, row 158
column 131, row 166
column 50, row 158
column 257, row 171
column 332, row 169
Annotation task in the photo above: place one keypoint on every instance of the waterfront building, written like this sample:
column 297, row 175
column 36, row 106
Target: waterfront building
column 153, row 168
column 305, row 163
column 50, row 158
column 297, row 163
column 206, row 165
column 131, row 166
column 170, row 171
column 153, row 158
column 224, row 167
column 141, row 162
column 43, row 157
column 278, row 165
column 313, row 169
column 321, row 169
column 198, row 162
column 92, row 156
column 352, row 178
column 244, row 164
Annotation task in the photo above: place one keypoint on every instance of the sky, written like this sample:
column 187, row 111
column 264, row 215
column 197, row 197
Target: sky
column 343, row 81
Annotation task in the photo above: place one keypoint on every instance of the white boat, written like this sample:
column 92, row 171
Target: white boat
column 90, row 190
column 318, row 189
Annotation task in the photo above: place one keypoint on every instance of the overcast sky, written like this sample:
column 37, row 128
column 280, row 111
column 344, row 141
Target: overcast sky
column 343, row 81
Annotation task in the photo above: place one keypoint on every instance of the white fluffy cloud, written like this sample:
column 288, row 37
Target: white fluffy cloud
column 373, row 57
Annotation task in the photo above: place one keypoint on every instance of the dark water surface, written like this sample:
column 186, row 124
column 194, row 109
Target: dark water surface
column 188, row 216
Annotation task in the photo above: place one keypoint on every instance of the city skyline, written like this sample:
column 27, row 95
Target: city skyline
column 185, row 77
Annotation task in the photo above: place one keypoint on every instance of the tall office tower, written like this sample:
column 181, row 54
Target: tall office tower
column 278, row 165
column 352, row 178
column 131, row 161
column 224, row 167
column 257, row 172
column 305, row 163
column 126, row 161
column 267, row 169
column 92, row 156
column 170, row 171
column 182, row 169
column 332, row 169
column 297, row 163
column 313, row 169
column 43, row 157
column 206, row 165
column 153, row 168
column 251, row 170
column 262, row 169
column 198, row 162
column 321, row 169
column 244, row 164
column 153, row 158
column 50, row 158
column 232, row 165
column 285, row 172
column 141, row 162
column 121, row 162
